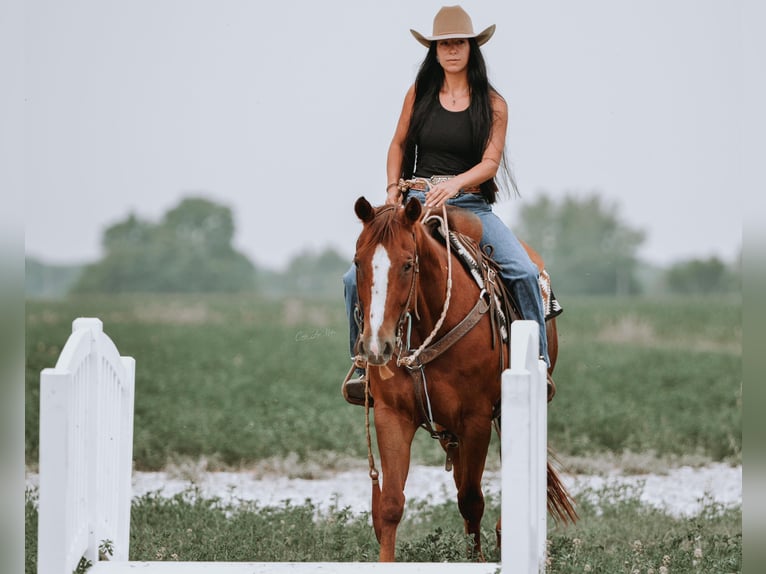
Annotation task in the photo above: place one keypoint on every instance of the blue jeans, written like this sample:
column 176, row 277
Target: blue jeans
column 516, row 268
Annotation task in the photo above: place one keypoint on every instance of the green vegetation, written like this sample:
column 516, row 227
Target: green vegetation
column 49, row 281
column 586, row 247
column 616, row 533
column 650, row 375
column 702, row 276
column 237, row 379
column 230, row 380
column 310, row 274
column 188, row 251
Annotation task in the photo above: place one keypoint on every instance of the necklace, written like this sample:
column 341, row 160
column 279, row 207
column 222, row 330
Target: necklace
column 455, row 97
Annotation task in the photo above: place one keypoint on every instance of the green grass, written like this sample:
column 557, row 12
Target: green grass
column 239, row 379
column 236, row 380
column 663, row 376
column 615, row 534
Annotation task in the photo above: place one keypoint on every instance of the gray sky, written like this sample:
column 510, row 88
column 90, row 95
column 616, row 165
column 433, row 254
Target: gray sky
column 284, row 111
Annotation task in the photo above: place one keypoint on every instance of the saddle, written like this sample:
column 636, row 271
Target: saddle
column 465, row 235
column 482, row 268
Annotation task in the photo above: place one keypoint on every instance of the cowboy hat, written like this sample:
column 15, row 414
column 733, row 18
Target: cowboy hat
column 453, row 22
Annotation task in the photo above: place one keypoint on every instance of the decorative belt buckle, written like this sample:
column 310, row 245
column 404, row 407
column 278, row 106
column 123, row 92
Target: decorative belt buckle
column 437, row 179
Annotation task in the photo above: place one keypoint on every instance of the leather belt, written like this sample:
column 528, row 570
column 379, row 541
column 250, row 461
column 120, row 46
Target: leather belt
column 424, row 184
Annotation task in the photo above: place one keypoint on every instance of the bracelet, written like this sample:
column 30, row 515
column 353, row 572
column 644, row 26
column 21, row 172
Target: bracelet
column 390, row 185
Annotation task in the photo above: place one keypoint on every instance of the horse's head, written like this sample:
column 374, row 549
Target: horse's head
column 386, row 271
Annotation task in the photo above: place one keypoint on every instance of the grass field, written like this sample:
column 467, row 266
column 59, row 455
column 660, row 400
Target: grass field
column 617, row 535
column 236, row 381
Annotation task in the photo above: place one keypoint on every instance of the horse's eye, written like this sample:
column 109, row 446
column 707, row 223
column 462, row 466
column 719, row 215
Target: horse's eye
column 407, row 266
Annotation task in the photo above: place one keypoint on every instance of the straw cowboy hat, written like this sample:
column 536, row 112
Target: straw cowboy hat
column 453, row 22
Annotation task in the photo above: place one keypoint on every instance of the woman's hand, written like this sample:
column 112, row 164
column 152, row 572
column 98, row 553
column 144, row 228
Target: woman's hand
column 441, row 192
column 393, row 196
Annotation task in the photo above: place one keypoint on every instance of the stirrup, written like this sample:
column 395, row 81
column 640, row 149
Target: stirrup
column 353, row 387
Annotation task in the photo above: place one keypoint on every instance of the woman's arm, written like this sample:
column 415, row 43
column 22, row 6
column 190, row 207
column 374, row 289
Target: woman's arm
column 396, row 149
column 486, row 168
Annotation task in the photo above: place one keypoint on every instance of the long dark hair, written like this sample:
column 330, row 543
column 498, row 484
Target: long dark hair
column 428, row 83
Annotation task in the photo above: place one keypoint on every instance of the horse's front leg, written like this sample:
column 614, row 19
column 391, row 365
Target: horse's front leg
column 470, row 499
column 394, row 432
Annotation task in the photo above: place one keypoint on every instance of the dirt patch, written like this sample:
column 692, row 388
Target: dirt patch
column 177, row 313
column 629, row 329
column 318, row 465
column 297, row 313
column 633, row 330
column 630, row 463
column 681, row 491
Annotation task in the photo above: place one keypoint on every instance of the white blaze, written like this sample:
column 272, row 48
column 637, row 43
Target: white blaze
column 380, row 266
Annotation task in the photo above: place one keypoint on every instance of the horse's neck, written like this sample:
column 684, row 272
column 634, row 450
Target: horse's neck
column 432, row 285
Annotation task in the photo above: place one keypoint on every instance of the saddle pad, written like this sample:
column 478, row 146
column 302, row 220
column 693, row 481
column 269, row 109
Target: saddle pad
column 551, row 306
column 465, row 248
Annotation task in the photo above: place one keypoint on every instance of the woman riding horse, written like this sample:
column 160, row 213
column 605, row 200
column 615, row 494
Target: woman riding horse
column 451, row 139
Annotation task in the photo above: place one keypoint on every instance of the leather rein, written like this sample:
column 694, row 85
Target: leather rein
column 415, row 360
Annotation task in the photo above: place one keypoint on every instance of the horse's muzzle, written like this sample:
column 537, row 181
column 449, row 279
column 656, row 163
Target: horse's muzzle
column 376, row 353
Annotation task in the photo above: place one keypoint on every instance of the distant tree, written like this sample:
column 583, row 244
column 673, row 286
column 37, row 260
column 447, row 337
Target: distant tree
column 127, row 235
column 701, row 276
column 587, row 249
column 44, row 281
column 312, row 274
column 188, row 251
column 201, row 225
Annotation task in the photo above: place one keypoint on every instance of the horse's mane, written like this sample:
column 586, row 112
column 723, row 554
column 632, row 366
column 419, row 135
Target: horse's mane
column 380, row 228
column 386, row 222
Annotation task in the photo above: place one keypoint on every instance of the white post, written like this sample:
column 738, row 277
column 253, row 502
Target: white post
column 64, row 532
column 125, row 463
column 86, row 448
column 540, row 408
column 54, row 504
column 524, row 454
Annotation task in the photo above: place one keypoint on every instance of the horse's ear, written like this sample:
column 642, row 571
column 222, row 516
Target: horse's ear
column 413, row 209
column 364, row 210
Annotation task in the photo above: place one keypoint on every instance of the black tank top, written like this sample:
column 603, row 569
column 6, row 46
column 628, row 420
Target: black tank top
column 445, row 144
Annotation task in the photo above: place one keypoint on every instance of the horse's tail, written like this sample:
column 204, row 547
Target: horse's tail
column 560, row 502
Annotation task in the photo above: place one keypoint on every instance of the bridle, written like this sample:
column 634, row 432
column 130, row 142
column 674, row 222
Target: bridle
column 412, row 361
column 404, row 357
column 408, row 360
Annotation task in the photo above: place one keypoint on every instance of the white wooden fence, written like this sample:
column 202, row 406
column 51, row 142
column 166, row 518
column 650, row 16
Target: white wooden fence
column 86, row 449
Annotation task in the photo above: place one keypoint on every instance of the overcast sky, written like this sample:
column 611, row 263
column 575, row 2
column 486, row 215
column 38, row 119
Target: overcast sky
column 284, row 110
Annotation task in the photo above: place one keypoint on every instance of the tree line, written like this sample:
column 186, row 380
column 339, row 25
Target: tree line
column 588, row 250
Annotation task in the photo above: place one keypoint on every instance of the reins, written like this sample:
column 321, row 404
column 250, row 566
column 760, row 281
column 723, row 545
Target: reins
column 370, row 458
column 412, row 361
column 408, row 361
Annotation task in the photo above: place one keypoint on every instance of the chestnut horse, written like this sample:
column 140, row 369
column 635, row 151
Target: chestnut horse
column 402, row 272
